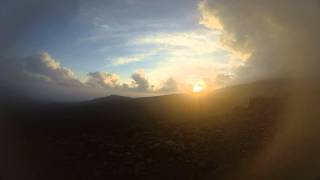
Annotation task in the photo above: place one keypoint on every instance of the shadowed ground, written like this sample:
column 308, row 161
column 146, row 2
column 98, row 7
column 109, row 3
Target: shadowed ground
column 167, row 137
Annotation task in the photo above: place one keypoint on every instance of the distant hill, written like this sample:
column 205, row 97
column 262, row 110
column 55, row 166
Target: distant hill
column 241, row 94
column 274, row 87
column 232, row 95
column 110, row 98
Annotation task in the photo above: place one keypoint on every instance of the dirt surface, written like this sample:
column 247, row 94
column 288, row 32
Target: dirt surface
column 136, row 139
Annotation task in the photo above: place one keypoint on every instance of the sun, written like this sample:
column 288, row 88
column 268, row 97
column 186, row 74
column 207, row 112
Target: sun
column 199, row 87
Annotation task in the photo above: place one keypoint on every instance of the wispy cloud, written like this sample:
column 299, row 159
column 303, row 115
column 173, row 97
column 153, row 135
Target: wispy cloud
column 195, row 42
column 132, row 59
column 188, row 56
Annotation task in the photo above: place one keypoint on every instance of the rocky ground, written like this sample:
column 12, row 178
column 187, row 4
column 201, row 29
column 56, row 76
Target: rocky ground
column 196, row 145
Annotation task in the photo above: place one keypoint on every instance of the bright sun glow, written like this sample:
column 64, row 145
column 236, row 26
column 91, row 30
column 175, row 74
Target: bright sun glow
column 199, row 87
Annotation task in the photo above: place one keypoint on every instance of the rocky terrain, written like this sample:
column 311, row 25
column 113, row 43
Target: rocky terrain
column 168, row 137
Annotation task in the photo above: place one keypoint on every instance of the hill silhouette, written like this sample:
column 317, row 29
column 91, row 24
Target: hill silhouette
column 110, row 98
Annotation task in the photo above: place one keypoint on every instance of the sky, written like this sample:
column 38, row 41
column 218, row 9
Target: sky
column 84, row 49
column 114, row 45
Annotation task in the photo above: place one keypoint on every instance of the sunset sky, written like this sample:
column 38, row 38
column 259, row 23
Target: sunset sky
column 165, row 39
column 250, row 64
column 142, row 47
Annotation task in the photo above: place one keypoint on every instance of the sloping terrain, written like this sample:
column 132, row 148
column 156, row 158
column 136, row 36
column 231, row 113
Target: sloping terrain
column 165, row 137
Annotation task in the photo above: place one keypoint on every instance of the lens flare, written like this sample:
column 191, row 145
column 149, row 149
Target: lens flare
column 199, row 87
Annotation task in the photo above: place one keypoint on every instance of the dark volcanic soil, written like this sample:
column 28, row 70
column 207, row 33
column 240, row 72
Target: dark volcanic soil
column 148, row 138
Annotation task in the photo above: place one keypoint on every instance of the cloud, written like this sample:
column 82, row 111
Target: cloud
column 208, row 20
column 102, row 80
column 128, row 59
column 170, row 85
column 223, row 78
column 42, row 77
column 182, row 43
column 44, row 66
column 40, row 67
column 276, row 38
column 140, row 83
column 187, row 56
column 132, row 59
